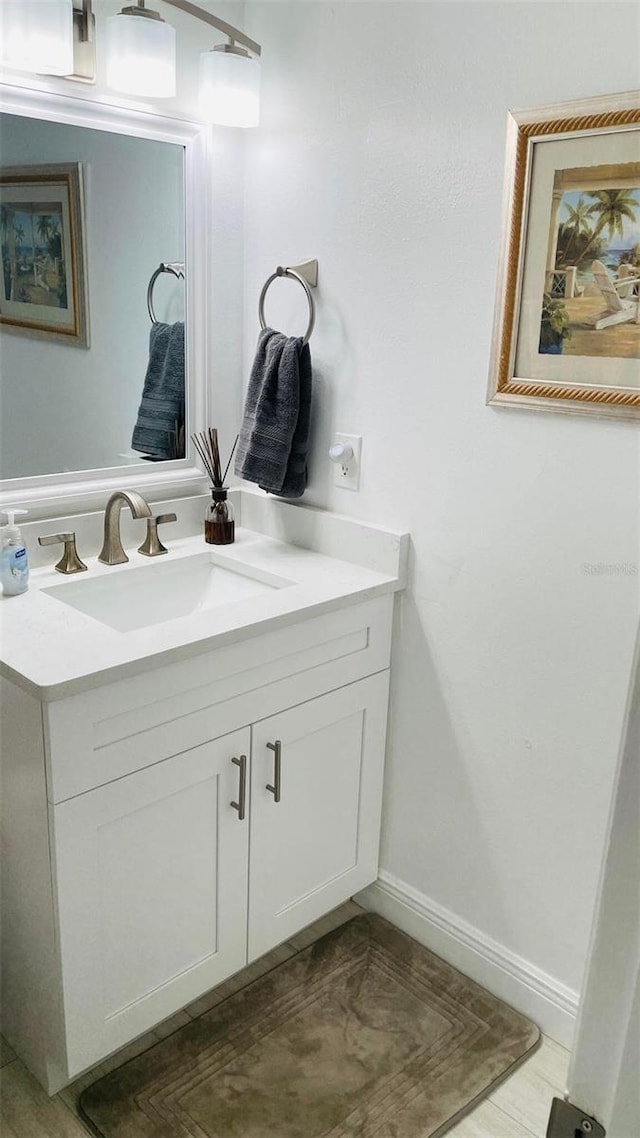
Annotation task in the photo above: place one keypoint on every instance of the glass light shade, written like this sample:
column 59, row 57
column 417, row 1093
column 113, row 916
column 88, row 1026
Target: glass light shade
column 229, row 88
column 37, row 36
column 141, row 56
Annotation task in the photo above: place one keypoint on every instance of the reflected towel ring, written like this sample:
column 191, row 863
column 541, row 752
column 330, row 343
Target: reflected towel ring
column 175, row 267
column 307, row 276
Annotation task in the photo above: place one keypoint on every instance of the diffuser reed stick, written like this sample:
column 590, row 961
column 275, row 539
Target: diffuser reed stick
column 206, row 443
column 219, row 525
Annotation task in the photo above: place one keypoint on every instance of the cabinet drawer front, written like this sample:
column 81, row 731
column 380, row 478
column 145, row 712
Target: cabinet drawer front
column 151, row 895
column 316, row 795
column 101, row 735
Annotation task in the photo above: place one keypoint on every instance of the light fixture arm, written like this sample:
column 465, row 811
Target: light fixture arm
column 84, row 20
column 84, row 37
column 214, row 22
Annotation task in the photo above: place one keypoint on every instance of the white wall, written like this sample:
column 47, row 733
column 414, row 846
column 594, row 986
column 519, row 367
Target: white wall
column 381, row 154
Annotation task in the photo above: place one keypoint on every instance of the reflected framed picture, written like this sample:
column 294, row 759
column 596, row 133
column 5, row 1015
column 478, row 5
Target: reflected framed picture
column 566, row 333
column 43, row 285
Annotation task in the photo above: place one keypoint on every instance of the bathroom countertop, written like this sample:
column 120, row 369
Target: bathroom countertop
column 53, row 650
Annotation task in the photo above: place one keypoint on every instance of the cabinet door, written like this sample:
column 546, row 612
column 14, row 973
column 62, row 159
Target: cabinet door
column 152, row 895
column 318, row 844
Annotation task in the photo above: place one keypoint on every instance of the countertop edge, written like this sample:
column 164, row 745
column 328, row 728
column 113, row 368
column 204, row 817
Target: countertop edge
column 52, row 693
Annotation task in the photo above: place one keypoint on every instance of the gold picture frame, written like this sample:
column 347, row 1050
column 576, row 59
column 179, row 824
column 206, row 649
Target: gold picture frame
column 43, row 281
column 566, row 334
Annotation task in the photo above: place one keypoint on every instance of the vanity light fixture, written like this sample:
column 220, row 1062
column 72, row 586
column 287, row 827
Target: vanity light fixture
column 57, row 37
column 141, row 61
column 229, row 86
column 48, row 37
column 141, row 53
column 229, row 73
column 37, row 36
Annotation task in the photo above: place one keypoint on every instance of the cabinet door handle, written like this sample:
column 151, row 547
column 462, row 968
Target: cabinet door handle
column 277, row 769
column 241, row 804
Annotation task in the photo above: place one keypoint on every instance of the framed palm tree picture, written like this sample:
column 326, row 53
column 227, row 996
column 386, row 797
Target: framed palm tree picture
column 566, row 333
column 43, row 287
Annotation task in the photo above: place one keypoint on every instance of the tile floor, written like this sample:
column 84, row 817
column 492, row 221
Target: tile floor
column 519, row 1108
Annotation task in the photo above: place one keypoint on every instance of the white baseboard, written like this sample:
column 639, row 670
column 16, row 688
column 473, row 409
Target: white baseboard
column 549, row 1003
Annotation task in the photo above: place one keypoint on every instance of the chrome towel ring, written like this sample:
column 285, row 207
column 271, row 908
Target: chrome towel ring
column 175, row 267
column 307, row 275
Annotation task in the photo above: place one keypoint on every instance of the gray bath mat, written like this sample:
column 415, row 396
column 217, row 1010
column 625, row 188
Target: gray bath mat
column 365, row 1034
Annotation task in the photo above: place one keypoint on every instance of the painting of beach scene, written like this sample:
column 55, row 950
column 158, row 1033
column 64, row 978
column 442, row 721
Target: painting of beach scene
column 592, row 281
column 33, row 263
column 42, row 277
column 567, row 317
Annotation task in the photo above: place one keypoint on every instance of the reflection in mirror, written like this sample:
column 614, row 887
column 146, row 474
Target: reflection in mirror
column 120, row 399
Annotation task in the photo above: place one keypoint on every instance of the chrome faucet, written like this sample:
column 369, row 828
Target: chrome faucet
column 112, row 552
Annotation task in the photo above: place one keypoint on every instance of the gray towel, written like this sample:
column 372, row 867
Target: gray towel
column 274, row 435
column 159, row 431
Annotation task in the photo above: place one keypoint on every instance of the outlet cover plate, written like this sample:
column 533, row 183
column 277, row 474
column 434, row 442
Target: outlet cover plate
column 348, row 476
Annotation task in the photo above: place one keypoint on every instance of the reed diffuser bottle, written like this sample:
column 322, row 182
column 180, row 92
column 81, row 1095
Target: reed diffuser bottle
column 219, row 523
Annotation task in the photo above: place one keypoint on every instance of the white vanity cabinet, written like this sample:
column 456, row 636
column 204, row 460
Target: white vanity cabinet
column 315, row 846
column 133, row 883
column 151, row 890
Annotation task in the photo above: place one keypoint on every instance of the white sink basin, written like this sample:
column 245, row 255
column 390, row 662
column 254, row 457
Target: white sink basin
column 152, row 594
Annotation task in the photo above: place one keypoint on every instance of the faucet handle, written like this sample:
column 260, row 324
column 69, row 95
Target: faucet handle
column 152, row 546
column 69, row 562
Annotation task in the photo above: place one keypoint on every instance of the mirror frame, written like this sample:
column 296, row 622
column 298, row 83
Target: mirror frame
column 51, row 495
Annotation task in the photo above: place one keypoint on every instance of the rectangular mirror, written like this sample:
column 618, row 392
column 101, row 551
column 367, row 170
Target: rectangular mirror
column 102, row 373
column 66, row 407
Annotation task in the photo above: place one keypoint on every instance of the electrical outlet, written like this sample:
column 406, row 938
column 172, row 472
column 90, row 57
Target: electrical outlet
column 347, row 474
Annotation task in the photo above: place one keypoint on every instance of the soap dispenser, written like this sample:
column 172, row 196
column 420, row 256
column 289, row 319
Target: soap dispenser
column 14, row 563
